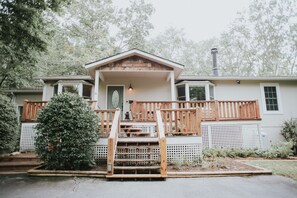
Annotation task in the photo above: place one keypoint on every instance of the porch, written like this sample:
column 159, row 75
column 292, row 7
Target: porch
column 159, row 131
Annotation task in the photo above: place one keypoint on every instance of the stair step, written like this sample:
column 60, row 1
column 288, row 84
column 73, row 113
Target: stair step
column 11, row 164
column 139, row 147
column 133, row 129
column 118, row 176
column 17, row 166
column 136, row 160
column 138, row 140
column 136, row 167
column 18, row 158
column 138, row 153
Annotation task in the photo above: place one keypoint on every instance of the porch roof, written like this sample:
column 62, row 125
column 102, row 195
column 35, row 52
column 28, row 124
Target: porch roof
column 176, row 67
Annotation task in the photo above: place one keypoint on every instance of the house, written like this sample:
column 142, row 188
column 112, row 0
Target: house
column 186, row 113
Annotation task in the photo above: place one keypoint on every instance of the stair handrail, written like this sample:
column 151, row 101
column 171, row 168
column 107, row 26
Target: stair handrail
column 112, row 141
column 162, row 143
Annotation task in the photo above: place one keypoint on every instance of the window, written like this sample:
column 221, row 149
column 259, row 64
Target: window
column 195, row 90
column 181, row 93
column 87, row 90
column 56, row 89
column 271, row 98
column 197, row 93
column 70, row 89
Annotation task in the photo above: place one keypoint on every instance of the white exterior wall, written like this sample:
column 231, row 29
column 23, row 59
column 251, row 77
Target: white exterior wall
column 20, row 97
column 143, row 89
column 251, row 90
column 48, row 92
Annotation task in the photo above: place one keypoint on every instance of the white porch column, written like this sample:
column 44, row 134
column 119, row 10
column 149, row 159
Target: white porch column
column 96, row 89
column 80, row 89
column 187, row 89
column 60, row 87
column 172, row 85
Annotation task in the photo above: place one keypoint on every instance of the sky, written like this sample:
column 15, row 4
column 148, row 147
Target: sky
column 200, row 19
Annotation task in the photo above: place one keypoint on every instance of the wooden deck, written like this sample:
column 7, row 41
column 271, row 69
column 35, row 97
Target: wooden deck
column 145, row 111
column 214, row 110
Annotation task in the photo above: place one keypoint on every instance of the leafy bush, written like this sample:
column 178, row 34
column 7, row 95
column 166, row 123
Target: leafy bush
column 283, row 150
column 8, row 125
column 66, row 133
column 289, row 131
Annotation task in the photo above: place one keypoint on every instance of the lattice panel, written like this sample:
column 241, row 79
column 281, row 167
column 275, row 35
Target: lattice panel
column 183, row 152
column 100, row 152
column 226, row 136
column 27, row 137
column 250, row 137
column 205, row 137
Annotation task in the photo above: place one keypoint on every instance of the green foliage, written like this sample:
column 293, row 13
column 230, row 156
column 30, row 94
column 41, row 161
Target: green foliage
column 66, row 133
column 289, row 131
column 283, row 150
column 21, row 38
column 95, row 29
column 8, row 125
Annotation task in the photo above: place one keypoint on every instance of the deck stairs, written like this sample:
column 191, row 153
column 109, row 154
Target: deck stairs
column 137, row 155
column 19, row 163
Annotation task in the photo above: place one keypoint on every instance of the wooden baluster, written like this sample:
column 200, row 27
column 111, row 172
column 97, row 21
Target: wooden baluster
column 187, row 121
column 217, row 111
column 102, row 123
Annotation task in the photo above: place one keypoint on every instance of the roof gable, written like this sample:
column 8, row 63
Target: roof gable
column 147, row 60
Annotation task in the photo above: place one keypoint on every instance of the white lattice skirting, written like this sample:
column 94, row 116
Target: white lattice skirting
column 234, row 135
column 178, row 148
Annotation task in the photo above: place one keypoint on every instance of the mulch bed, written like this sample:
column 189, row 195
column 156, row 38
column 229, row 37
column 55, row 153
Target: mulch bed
column 219, row 164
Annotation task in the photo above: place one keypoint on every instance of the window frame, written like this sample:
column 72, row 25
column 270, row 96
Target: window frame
column 278, row 97
column 204, row 84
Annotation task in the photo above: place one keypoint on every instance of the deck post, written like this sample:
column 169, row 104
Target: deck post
column 96, row 89
column 25, row 109
column 172, row 86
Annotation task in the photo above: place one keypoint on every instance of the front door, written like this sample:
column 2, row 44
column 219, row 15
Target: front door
column 115, row 95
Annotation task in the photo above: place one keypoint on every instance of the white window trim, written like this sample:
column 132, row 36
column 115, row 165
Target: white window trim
column 279, row 100
column 204, row 84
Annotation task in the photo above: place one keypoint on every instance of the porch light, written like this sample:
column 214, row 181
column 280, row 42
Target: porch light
column 130, row 87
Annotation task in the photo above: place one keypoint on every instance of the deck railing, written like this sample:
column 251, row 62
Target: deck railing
column 112, row 141
column 162, row 143
column 182, row 121
column 31, row 109
column 214, row 110
column 105, row 119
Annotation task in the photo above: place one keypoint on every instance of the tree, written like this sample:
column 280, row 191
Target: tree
column 262, row 40
column 93, row 29
column 173, row 45
column 66, row 133
column 8, row 125
column 21, row 38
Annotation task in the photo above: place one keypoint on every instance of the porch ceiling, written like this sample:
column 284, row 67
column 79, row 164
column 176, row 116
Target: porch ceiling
column 134, row 74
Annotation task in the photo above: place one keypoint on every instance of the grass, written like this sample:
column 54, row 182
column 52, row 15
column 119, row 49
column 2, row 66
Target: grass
column 282, row 167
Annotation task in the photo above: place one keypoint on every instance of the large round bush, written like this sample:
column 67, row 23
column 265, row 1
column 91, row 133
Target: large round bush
column 66, row 133
column 8, row 124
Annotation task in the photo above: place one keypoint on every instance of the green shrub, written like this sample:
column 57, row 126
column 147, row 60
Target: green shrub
column 66, row 133
column 283, row 150
column 289, row 131
column 8, row 125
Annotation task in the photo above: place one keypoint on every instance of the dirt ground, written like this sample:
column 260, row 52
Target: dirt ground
column 218, row 164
